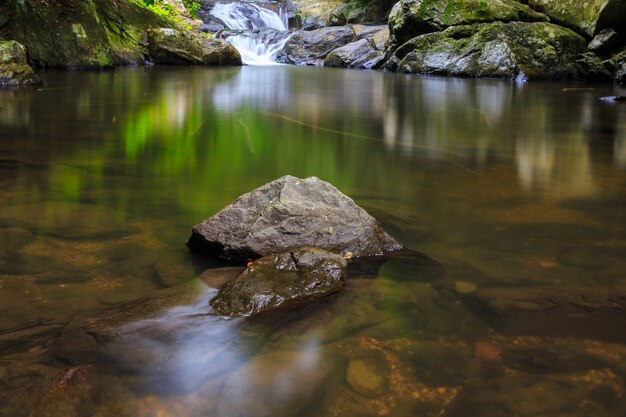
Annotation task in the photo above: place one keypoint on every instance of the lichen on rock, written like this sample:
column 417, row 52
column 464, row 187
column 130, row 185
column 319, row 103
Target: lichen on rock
column 14, row 68
column 515, row 50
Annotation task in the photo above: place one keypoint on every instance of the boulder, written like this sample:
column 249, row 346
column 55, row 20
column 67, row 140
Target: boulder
column 589, row 16
column 312, row 23
column 604, row 42
column 290, row 213
column 14, row 68
column 410, row 18
column 80, row 34
column 173, row 46
column 311, row 47
column 592, row 68
column 367, row 52
column 281, row 281
column 358, row 11
column 516, row 50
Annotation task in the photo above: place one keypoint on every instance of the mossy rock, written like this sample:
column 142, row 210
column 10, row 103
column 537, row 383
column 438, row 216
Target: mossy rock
column 410, row 18
column 589, row 16
column 80, row 34
column 173, row 46
column 14, row 68
column 516, row 50
column 360, row 11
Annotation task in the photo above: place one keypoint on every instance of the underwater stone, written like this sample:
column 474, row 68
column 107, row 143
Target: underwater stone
column 290, row 213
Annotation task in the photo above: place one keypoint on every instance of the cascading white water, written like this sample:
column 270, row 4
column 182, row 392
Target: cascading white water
column 270, row 31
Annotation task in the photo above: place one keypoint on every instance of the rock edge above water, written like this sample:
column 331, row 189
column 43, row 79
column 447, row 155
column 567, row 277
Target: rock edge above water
column 290, row 213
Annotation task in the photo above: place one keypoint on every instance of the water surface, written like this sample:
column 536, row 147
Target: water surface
column 102, row 175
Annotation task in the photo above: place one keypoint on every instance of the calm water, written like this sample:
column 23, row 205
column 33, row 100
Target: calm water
column 103, row 174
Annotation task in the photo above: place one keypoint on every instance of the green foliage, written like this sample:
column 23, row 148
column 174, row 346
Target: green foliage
column 148, row 2
column 192, row 6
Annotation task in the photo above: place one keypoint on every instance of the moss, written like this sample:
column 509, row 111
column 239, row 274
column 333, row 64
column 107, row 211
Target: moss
column 83, row 34
column 503, row 50
column 14, row 68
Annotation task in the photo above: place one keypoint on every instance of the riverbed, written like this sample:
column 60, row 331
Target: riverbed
column 502, row 185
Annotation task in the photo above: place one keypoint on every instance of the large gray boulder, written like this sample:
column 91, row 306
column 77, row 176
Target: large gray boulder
column 290, row 213
column 515, row 50
column 14, row 68
column 367, row 52
column 281, row 281
column 173, row 46
column 311, row 47
column 410, row 18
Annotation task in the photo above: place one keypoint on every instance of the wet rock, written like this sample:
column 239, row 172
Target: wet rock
column 587, row 312
column 589, row 17
column 592, row 68
column 359, row 54
column 67, row 220
column 367, row 52
column 411, row 18
column 367, row 373
column 520, row 51
column 311, row 47
column 614, row 99
column 604, row 42
column 290, row 213
column 14, row 68
column 172, row 46
column 281, row 281
column 312, row 23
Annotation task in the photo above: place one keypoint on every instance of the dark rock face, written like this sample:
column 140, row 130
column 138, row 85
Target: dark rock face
column 592, row 68
column 367, row 52
column 172, row 46
column 290, row 213
column 281, row 281
column 604, row 42
column 516, row 50
column 311, row 47
column 14, row 68
column 410, row 18
column 596, row 313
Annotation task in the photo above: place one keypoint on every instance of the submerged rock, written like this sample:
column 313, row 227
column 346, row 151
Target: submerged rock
column 410, row 18
column 597, row 313
column 516, row 50
column 281, row 281
column 367, row 373
column 290, row 213
column 311, row 47
column 172, row 46
column 14, row 68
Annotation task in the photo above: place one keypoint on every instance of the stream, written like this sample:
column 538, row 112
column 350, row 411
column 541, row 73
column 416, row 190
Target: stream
column 505, row 187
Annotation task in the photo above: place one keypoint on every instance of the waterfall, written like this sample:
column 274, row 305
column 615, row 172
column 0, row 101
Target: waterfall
column 263, row 32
